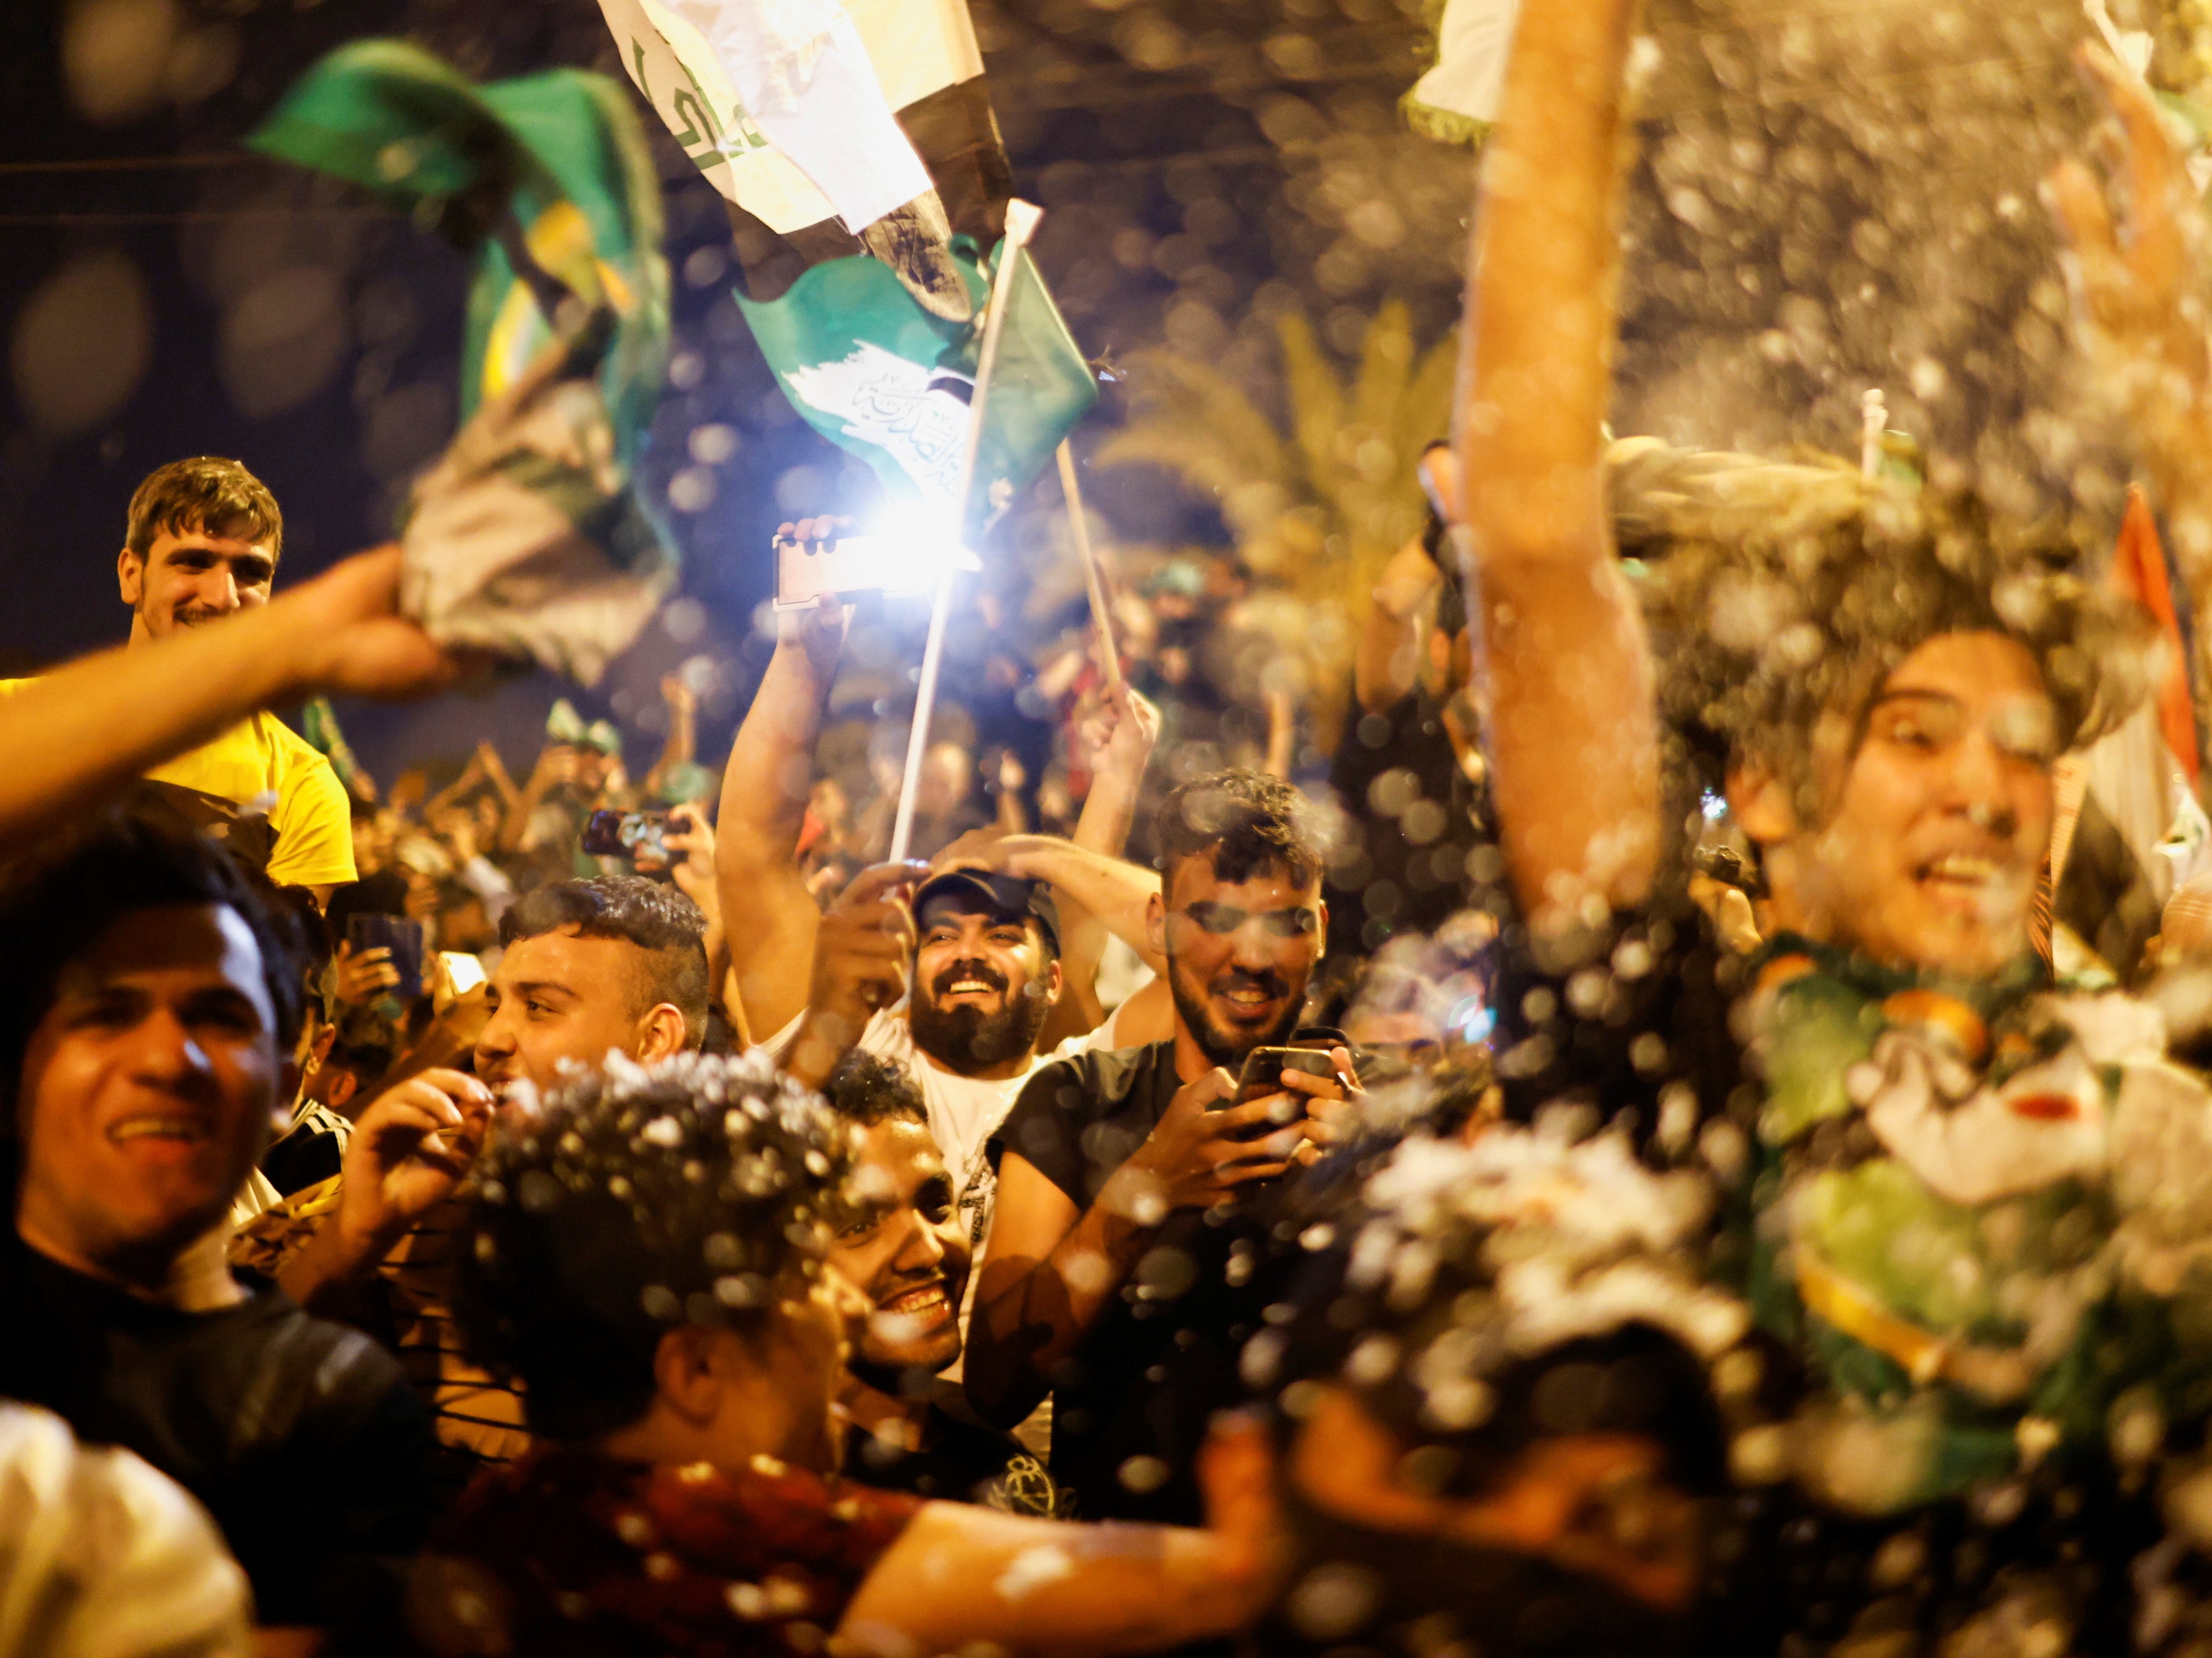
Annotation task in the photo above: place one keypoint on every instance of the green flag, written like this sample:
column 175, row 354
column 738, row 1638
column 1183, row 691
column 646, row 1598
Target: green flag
column 551, row 167
column 876, row 374
column 526, row 536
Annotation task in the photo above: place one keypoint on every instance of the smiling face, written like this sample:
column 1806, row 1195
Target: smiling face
column 903, row 1249
column 1239, row 954
column 983, row 983
column 1937, row 823
column 189, row 577
column 561, row 998
column 148, row 1090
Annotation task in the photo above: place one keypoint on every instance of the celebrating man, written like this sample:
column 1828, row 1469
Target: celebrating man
column 202, row 545
column 1109, row 1159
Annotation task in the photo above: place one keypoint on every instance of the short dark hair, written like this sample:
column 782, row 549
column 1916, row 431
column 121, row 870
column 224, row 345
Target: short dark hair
column 56, row 904
column 659, row 920
column 639, row 1201
column 208, row 494
column 1247, row 820
column 1779, row 591
column 866, row 1088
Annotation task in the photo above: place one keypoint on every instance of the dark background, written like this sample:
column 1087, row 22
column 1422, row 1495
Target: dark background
column 163, row 294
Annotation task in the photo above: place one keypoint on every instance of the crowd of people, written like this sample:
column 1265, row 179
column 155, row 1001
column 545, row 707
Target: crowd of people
column 1620, row 1165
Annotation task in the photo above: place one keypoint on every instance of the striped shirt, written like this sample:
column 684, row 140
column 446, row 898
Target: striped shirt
column 478, row 1418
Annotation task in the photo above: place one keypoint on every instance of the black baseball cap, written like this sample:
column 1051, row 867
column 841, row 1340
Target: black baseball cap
column 995, row 893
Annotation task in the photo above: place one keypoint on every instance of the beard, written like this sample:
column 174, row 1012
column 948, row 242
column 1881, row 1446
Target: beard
column 1227, row 1048
column 968, row 1040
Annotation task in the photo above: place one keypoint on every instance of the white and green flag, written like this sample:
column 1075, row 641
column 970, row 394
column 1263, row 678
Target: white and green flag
column 871, row 324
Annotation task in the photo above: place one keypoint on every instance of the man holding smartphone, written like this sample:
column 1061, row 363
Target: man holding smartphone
column 1100, row 1283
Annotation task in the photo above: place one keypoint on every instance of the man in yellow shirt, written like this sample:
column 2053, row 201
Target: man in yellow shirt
column 202, row 544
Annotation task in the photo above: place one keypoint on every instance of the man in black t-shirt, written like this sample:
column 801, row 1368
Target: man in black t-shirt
column 1107, row 1258
column 903, row 1246
column 147, row 1002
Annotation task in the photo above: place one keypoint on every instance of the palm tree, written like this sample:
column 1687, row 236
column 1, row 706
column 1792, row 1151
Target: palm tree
column 1317, row 510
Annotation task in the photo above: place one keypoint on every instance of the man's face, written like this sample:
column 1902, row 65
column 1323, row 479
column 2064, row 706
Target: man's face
column 1239, row 955
column 189, row 577
column 1939, row 821
column 559, row 998
column 148, row 1089
column 903, row 1249
column 983, row 984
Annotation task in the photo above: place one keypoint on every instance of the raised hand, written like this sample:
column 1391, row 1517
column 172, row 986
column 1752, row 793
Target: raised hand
column 409, row 1151
column 2139, row 288
column 690, row 839
column 862, row 951
column 364, row 975
column 1122, row 731
column 351, row 640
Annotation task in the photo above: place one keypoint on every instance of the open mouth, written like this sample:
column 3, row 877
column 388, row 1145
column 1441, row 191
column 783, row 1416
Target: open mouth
column 1964, row 878
column 1248, row 1001
column 161, row 1132
column 919, row 1302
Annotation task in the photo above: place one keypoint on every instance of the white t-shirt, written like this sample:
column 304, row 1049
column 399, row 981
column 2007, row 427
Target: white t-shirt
column 964, row 1111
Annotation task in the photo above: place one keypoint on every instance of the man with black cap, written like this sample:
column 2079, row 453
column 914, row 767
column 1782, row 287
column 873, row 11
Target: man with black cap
column 984, row 950
column 982, row 945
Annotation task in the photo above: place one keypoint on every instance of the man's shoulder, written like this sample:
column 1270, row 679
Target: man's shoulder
column 342, row 1371
column 1095, row 1081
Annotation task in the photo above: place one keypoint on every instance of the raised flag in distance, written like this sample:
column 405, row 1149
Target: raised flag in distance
column 866, row 353
column 1457, row 99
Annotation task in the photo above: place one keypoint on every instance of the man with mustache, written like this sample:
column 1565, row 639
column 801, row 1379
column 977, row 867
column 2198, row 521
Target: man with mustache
column 900, row 1244
column 1095, row 1284
column 203, row 539
column 983, row 947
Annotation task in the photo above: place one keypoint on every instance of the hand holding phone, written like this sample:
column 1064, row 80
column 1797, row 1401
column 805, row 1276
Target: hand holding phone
column 639, row 836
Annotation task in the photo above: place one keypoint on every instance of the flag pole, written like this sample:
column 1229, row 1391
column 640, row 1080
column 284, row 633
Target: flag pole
column 1021, row 222
column 1109, row 659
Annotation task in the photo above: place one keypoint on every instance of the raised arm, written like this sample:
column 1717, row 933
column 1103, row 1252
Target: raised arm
column 956, row 1578
column 1121, row 737
column 683, row 734
column 1573, row 733
column 2141, row 281
column 768, row 917
column 76, row 736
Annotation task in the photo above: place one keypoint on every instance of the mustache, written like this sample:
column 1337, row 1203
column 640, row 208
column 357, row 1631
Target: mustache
column 1269, row 984
column 970, row 970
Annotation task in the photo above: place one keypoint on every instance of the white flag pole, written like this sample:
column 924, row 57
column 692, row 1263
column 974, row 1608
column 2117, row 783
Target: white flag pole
column 1021, row 223
column 1109, row 660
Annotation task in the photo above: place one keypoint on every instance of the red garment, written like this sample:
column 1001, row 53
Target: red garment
column 570, row 1554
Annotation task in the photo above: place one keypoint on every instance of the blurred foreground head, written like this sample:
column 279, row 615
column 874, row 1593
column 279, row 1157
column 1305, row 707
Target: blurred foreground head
column 651, row 1246
column 1883, row 676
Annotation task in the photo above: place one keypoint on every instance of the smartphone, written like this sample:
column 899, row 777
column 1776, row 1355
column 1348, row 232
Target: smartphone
column 403, row 938
column 808, row 570
column 1263, row 1074
column 629, row 835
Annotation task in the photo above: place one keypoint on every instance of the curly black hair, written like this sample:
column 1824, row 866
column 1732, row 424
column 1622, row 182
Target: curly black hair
column 693, row 1192
column 866, row 1088
column 1780, row 591
column 1247, row 820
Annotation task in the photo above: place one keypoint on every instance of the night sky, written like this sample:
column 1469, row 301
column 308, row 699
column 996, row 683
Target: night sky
column 164, row 294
